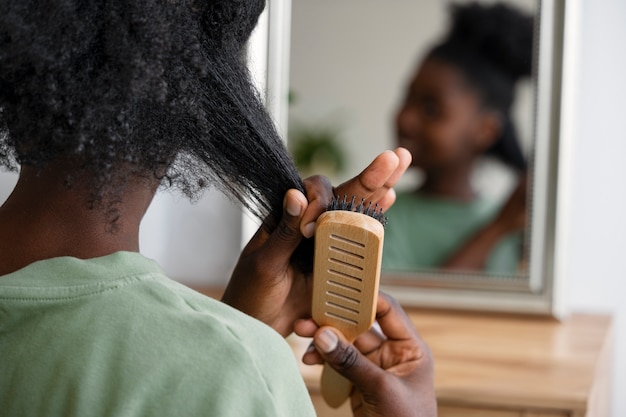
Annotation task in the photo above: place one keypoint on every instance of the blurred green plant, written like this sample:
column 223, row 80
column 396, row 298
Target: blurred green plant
column 317, row 150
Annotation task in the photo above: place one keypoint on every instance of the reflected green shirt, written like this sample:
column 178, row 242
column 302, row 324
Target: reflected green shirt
column 113, row 336
column 423, row 232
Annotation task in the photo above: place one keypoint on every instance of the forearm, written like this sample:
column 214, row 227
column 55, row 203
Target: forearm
column 474, row 253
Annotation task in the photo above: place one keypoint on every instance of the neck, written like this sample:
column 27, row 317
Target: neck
column 43, row 219
column 450, row 184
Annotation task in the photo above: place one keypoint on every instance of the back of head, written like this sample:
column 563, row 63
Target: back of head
column 492, row 45
column 158, row 88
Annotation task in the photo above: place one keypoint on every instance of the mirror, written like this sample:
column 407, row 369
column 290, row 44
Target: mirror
column 351, row 65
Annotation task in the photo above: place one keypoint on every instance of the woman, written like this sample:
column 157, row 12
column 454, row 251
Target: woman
column 102, row 103
column 456, row 110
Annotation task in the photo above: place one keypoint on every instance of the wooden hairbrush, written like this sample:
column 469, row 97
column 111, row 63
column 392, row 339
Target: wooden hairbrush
column 346, row 274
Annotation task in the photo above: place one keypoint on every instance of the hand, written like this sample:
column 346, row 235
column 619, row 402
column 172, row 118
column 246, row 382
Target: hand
column 265, row 283
column 392, row 374
column 375, row 183
column 475, row 251
column 513, row 215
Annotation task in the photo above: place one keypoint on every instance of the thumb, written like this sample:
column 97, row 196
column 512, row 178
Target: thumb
column 286, row 236
column 345, row 358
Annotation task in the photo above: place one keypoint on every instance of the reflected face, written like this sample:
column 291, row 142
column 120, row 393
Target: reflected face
column 440, row 119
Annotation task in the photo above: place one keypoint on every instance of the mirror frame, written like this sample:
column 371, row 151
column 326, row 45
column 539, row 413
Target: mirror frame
column 537, row 291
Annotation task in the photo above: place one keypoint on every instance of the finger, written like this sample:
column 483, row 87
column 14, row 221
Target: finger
column 256, row 241
column 372, row 178
column 305, row 327
column 319, row 193
column 370, row 340
column 263, row 233
column 404, row 162
column 386, row 200
column 393, row 320
column 386, row 196
column 376, row 182
column 345, row 357
column 312, row 356
column 285, row 238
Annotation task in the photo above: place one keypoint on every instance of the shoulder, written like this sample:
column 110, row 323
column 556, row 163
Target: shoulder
column 235, row 363
column 151, row 345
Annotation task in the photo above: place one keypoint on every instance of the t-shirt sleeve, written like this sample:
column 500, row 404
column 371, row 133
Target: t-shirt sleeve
column 252, row 371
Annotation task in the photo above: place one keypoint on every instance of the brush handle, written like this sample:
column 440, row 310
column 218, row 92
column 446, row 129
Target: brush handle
column 335, row 388
column 348, row 252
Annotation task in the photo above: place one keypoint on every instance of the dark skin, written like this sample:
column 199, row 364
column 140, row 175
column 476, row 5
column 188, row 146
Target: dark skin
column 400, row 352
column 511, row 218
column 43, row 219
column 266, row 257
column 446, row 127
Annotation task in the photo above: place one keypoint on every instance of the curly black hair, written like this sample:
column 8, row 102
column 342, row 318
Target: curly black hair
column 160, row 86
column 493, row 47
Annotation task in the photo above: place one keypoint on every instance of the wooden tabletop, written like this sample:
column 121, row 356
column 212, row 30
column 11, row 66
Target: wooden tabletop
column 516, row 361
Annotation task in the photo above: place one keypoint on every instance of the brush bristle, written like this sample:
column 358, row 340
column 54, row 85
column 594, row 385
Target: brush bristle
column 362, row 207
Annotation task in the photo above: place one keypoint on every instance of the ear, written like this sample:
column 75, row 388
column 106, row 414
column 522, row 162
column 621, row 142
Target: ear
column 488, row 130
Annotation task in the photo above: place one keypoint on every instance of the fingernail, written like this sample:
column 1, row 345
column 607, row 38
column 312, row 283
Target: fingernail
column 310, row 348
column 309, row 229
column 327, row 341
column 293, row 207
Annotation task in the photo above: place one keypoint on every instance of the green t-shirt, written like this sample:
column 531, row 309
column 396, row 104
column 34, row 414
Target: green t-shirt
column 113, row 336
column 423, row 232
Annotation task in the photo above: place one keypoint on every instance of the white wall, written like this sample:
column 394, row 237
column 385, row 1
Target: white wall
column 195, row 243
column 7, row 182
column 595, row 275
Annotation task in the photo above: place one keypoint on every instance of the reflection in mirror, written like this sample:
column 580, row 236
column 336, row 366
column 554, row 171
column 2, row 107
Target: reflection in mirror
column 451, row 82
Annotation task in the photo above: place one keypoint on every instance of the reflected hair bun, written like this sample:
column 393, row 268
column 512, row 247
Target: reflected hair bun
column 493, row 46
column 499, row 33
